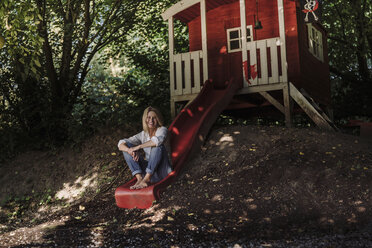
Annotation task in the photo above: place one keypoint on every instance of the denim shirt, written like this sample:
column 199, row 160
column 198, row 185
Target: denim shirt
column 142, row 137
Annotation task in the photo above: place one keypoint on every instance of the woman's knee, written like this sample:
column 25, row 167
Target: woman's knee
column 127, row 156
column 128, row 144
column 161, row 147
column 157, row 150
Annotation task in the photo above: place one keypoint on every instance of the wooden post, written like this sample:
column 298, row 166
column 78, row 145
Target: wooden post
column 171, row 64
column 282, row 40
column 243, row 27
column 203, row 15
column 171, row 54
column 287, row 106
column 173, row 108
column 284, row 77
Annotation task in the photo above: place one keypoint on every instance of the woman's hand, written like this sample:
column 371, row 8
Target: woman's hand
column 133, row 152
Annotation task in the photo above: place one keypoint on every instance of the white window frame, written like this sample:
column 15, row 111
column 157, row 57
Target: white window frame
column 249, row 38
column 315, row 42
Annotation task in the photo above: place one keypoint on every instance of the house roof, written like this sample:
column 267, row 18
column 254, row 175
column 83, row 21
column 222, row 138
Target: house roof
column 187, row 10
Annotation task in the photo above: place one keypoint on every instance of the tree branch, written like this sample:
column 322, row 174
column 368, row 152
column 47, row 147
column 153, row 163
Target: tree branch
column 83, row 44
column 50, row 68
column 337, row 39
column 61, row 10
column 108, row 19
column 68, row 30
column 84, row 72
column 342, row 22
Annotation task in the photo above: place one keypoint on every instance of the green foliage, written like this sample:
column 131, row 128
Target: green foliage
column 45, row 60
column 22, row 90
column 23, row 44
column 114, row 101
column 50, row 90
column 129, row 75
column 350, row 54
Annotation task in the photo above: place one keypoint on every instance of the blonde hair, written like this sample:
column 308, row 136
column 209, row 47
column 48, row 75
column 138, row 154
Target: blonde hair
column 158, row 115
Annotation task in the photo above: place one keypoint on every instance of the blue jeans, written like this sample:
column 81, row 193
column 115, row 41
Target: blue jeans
column 158, row 165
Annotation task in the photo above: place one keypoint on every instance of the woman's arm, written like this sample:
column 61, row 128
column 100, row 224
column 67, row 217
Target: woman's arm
column 123, row 147
column 156, row 140
column 134, row 140
column 160, row 136
column 133, row 150
column 149, row 143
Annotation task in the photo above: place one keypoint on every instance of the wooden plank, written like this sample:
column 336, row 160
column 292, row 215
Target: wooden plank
column 178, row 7
column 203, row 14
column 261, row 45
column 260, row 88
column 196, row 60
column 243, row 28
column 273, row 101
column 171, row 52
column 182, row 98
column 272, row 43
column 308, row 108
column 284, row 77
column 186, row 58
column 178, row 60
column 253, row 61
column 318, row 108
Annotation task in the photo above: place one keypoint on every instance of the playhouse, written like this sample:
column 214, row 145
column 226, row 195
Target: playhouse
column 265, row 46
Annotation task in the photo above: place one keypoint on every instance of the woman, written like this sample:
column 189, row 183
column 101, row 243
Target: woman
column 156, row 164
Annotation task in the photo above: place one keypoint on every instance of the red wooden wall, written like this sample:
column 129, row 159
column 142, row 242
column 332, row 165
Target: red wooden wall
column 315, row 78
column 222, row 65
column 301, row 64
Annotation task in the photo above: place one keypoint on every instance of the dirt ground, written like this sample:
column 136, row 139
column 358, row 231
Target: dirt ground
column 249, row 186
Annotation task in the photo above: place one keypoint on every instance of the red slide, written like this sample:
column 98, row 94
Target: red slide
column 187, row 133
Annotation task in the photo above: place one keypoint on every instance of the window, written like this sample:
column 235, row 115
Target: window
column 234, row 38
column 315, row 41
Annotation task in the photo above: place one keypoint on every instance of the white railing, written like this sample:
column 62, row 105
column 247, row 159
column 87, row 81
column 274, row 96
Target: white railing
column 265, row 63
column 186, row 73
column 264, row 66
